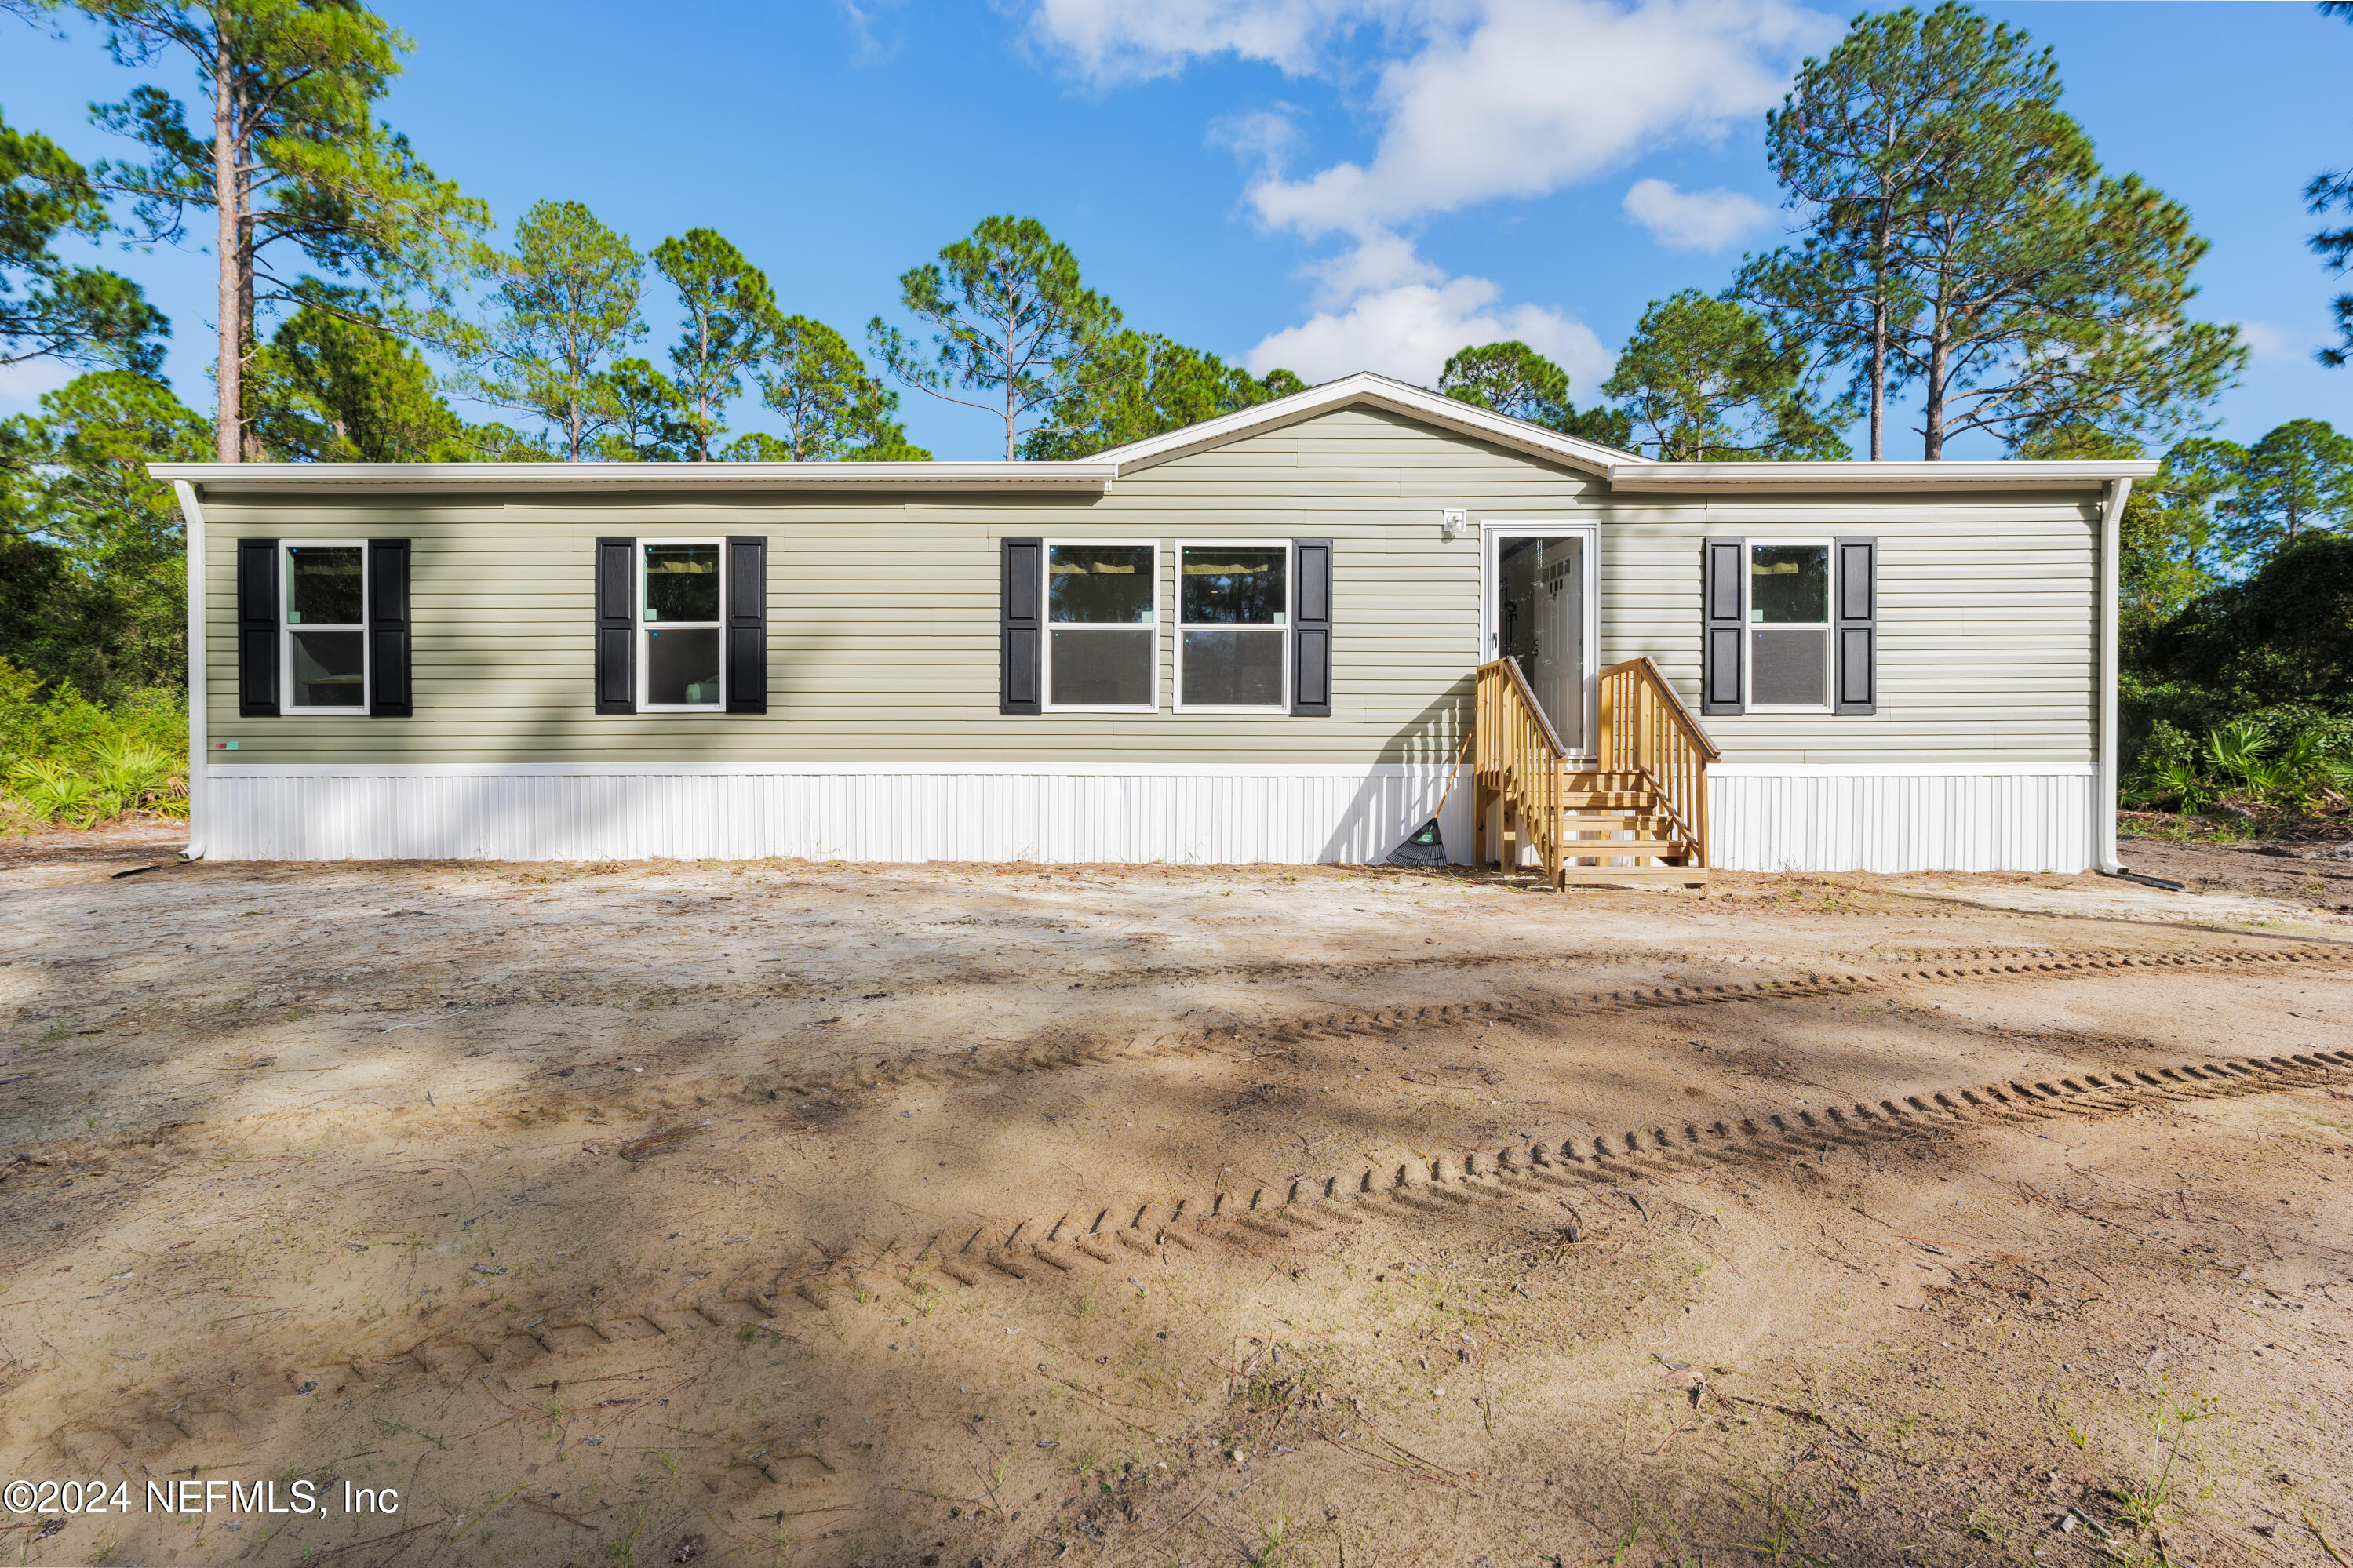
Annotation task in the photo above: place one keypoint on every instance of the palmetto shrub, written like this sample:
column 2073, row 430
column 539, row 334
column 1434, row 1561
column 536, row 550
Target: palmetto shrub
column 63, row 759
column 2305, row 772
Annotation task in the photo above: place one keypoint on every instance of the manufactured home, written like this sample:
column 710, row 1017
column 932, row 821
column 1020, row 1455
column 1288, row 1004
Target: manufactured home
column 1292, row 634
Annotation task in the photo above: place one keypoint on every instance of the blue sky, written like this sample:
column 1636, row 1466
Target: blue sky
column 1329, row 185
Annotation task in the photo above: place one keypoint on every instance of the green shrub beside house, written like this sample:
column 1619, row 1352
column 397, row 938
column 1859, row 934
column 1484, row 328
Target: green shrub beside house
column 66, row 759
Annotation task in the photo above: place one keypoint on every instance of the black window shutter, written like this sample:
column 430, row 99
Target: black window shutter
column 1724, row 630
column 1311, row 629
column 388, row 564
column 616, row 626
column 1021, row 593
column 747, row 623
column 1858, row 626
column 256, row 629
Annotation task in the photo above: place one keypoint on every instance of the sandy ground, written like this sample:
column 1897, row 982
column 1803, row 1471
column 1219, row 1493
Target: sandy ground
column 796, row 1214
column 2313, row 866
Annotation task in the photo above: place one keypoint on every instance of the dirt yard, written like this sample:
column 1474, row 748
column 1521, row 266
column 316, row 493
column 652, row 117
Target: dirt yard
column 813, row 1214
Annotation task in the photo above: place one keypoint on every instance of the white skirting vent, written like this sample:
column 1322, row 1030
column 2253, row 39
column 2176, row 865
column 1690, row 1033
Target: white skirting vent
column 1818, row 820
column 1065, row 815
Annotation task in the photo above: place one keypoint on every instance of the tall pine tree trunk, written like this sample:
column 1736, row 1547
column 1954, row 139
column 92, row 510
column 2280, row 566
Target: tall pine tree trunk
column 249, row 437
column 1879, row 376
column 229, row 443
column 1931, row 413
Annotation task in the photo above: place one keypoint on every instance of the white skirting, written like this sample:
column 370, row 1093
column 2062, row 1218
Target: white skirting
column 1066, row 814
column 1913, row 819
column 1762, row 819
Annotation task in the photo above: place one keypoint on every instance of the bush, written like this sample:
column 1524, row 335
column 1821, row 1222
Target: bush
column 2282, row 764
column 63, row 758
column 2283, row 636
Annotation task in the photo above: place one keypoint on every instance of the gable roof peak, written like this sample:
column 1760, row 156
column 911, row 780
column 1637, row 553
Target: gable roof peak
column 1368, row 388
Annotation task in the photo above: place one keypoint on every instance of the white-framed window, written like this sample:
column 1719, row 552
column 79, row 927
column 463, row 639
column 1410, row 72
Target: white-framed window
column 1790, row 593
column 1233, row 625
column 323, row 646
column 682, row 626
column 1103, row 625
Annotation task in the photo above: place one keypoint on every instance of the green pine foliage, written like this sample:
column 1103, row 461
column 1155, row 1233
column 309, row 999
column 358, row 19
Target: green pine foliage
column 1705, row 379
column 1514, row 379
column 1144, row 384
column 1961, row 239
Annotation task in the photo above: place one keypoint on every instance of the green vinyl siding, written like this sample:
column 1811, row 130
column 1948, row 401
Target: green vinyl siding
column 882, row 629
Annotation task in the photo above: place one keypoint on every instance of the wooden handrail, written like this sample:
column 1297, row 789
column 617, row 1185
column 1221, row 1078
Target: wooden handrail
column 1520, row 756
column 1646, row 729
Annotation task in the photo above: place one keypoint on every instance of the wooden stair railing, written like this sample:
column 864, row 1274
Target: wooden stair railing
column 1516, row 756
column 1646, row 730
column 1649, row 780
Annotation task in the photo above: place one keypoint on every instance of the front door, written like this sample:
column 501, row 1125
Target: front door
column 1540, row 612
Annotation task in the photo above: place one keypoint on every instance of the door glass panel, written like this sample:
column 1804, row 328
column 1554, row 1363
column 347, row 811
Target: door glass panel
column 1540, row 622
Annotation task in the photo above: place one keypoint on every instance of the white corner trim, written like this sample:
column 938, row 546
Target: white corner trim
column 2104, row 827
column 192, row 519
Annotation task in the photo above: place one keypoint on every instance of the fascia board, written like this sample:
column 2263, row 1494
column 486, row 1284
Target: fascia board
column 1379, row 392
column 2004, row 476
column 222, row 479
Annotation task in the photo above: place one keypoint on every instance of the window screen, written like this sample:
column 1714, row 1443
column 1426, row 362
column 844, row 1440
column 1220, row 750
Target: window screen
column 1101, row 632
column 326, row 625
column 1232, row 625
column 1788, row 619
column 681, row 614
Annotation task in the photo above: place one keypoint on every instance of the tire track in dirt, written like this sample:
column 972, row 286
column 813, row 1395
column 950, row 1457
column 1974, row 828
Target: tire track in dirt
column 1060, row 1049
column 575, row 1338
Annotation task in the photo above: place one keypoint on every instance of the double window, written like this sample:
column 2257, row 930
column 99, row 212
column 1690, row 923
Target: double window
column 323, row 654
column 1233, row 634
column 682, row 601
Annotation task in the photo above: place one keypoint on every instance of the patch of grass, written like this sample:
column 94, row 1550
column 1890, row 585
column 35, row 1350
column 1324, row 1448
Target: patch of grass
column 2153, row 1504
column 1278, row 1544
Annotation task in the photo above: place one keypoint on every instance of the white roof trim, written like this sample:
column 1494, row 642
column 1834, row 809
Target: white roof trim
column 221, row 478
column 1623, row 470
column 2004, row 476
column 1381, row 392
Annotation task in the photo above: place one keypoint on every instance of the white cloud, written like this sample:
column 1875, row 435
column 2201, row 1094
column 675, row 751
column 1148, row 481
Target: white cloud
column 1476, row 100
column 1693, row 220
column 2263, row 341
column 1111, row 41
column 1409, row 330
column 1540, row 94
column 23, row 383
column 1379, row 262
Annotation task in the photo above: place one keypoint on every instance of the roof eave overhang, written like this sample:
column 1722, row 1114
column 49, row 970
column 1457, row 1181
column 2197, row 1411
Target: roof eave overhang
column 1691, row 478
column 573, row 479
